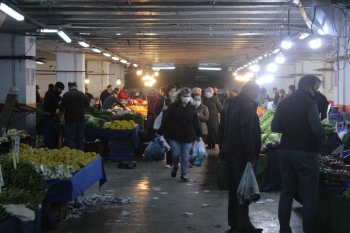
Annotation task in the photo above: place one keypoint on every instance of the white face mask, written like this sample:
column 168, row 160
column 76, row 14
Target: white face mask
column 38, row 90
column 208, row 94
column 185, row 99
column 196, row 103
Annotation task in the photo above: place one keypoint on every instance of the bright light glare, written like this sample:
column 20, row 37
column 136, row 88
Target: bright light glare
column 64, row 36
column 265, row 79
column 139, row 71
column 241, row 78
column 208, row 68
column 84, row 44
column 45, row 30
column 315, row 43
column 135, row 65
column 280, row 59
column 272, row 67
column 156, row 73
column 8, row 10
column 107, row 54
column 254, row 68
column 87, row 80
column 123, row 61
column 118, row 82
column 96, row 50
column 163, row 68
column 287, row 43
column 303, row 35
column 115, row 58
column 321, row 32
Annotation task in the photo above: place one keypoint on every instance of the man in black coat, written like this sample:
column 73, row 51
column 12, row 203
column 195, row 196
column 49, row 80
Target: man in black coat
column 321, row 100
column 104, row 94
column 73, row 104
column 240, row 142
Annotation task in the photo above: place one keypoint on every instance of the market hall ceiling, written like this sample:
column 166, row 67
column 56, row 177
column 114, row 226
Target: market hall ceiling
column 180, row 33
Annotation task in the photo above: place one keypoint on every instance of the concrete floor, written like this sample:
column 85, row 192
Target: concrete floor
column 168, row 213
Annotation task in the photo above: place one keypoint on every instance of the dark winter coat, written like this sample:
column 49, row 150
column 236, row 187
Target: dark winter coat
column 181, row 123
column 73, row 104
column 239, row 131
column 104, row 95
column 203, row 115
column 214, row 107
column 322, row 104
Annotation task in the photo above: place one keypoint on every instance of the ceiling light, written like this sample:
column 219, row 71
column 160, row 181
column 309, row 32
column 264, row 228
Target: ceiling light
column 47, row 30
column 156, row 73
column 265, row 79
column 303, row 35
column 280, row 59
column 276, row 51
column 234, row 74
column 315, row 43
column 87, row 80
column 115, row 58
column 84, row 44
column 64, row 36
column 96, row 50
column 118, row 82
column 272, row 67
column 287, row 43
column 139, row 71
column 9, row 11
column 163, row 68
column 39, row 62
column 123, row 61
column 208, row 68
column 254, row 68
column 106, row 54
column 135, row 65
column 321, row 32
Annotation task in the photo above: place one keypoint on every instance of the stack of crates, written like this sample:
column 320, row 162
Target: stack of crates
column 121, row 150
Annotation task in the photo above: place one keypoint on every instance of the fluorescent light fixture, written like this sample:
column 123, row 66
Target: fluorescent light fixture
column 47, row 30
column 265, row 79
column 254, row 68
column 124, row 61
column 84, row 44
column 115, row 58
column 315, row 43
column 39, row 62
column 208, row 68
column 106, row 54
column 64, row 36
column 287, row 43
column 276, row 51
column 11, row 12
column 135, row 65
column 321, row 32
column 280, row 59
column 96, row 50
column 163, row 68
column 272, row 67
column 303, row 36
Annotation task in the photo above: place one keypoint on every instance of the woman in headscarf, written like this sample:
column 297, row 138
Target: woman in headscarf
column 214, row 106
column 153, row 100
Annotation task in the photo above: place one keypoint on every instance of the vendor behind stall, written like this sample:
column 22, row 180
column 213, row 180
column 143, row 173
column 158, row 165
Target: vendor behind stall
column 111, row 100
column 123, row 94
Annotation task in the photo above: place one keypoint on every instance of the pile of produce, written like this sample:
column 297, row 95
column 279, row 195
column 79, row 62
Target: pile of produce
column 55, row 163
column 346, row 194
column 14, row 133
column 137, row 118
column 120, row 125
column 94, row 122
column 334, row 171
column 266, row 120
column 270, row 141
column 139, row 109
column 23, row 185
column 328, row 127
column 103, row 114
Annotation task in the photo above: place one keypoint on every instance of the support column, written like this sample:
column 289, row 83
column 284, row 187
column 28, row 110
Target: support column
column 17, row 76
column 98, row 73
column 117, row 72
column 70, row 67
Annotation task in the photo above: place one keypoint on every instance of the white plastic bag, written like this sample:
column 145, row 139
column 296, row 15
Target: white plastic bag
column 20, row 211
column 193, row 151
column 248, row 189
column 158, row 121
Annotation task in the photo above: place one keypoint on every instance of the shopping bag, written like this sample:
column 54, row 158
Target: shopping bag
column 158, row 121
column 193, row 151
column 201, row 153
column 248, row 189
column 156, row 149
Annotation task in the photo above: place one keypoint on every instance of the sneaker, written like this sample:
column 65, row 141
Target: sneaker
column 184, row 178
column 168, row 166
column 173, row 172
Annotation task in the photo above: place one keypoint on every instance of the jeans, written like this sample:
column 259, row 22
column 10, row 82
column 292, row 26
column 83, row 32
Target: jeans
column 180, row 149
column 74, row 135
column 303, row 167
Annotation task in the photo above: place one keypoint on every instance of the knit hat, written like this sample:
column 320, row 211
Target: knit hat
column 59, row 85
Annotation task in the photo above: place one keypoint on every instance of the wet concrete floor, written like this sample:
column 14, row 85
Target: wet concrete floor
column 165, row 204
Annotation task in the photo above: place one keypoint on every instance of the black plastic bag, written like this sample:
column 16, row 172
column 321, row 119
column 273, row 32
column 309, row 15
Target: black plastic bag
column 248, row 189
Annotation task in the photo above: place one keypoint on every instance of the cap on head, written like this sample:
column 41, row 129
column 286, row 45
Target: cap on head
column 59, row 85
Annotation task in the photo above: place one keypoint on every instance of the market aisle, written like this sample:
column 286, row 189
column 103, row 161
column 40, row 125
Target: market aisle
column 165, row 210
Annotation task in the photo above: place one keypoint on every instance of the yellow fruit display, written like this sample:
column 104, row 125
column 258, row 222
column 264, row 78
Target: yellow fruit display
column 120, row 125
column 139, row 109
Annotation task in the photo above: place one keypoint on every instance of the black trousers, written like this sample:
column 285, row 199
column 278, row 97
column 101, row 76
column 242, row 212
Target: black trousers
column 169, row 156
column 238, row 215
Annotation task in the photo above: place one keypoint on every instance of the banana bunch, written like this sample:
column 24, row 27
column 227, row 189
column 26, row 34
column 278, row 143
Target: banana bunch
column 120, row 125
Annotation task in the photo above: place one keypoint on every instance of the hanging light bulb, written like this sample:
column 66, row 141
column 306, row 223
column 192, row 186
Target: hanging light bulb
column 287, row 43
column 315, row 43
column 118, row 82
column 87, row 80
column 280, row 59
column 139, row 71
column 272, row 67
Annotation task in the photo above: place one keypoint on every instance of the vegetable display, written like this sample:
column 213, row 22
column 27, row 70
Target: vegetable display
column 92, row 121
column 103, row 114
column 120, row 125
column 137, row 118
column 270, row 141
column 346, row 194
column 328, row 127
column 139, row 109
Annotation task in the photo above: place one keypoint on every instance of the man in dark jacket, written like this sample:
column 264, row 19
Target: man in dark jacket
column 277, row 97
column 240, row 142
column 104, row 94
column 73, row 104
column 51, row 102
column 38, row 97
column 297, row 119
column 321, row 100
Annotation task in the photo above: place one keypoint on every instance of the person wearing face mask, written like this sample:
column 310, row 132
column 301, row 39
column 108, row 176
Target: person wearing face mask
column 51, row 104
column 297, row 119
column 240, row 142
column 162, row 106
column 153, row 100
column 203, row 113
column 214, row 106
column 182, row 128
